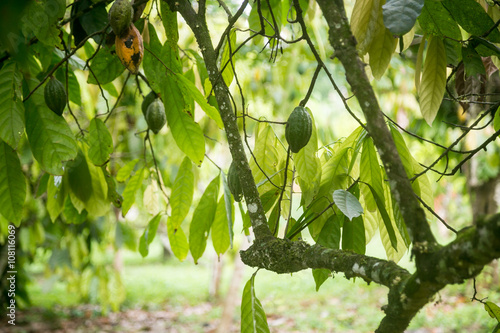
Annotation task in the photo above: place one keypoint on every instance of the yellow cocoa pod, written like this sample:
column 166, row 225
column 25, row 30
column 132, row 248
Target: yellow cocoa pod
column 130, row 49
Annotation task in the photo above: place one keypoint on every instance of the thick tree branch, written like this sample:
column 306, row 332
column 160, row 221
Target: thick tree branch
column 344, row 43
column 198, row 24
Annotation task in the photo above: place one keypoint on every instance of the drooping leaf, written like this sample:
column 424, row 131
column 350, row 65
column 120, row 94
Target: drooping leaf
column 50, row 138
column 72, row 215
column 253, row 317
column 203, row 217
column 330, row 234
column 221, row 228
column 496, row 120
column 190, row 89
column 386, row 219
column 105, row 67
column 79, row 178
column 370, row 173
column 182, row 193
column 433, row 82
column 126, row 171
column 169, row 20
column 353, row 235
column 12, row 184
column 148, row 235
column 381, row 49
column 226, row 63
column 11, row 105
column 125, row 235
column 266, row 158
column 100, row 141
column 472, row 18
column 113, row 196
column 364, row 20
column 228, row 201
column 347, row 203
column 129, row 193
column 151, row 198
column 400, row 15
column 320, row 276
column 178, row 242
column 56, row 195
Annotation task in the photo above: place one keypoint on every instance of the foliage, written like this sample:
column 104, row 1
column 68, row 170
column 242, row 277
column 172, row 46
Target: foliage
column 87, row 179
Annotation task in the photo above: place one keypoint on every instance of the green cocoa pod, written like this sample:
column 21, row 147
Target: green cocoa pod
column 298, row 129
column 147, row 101
column 120, row 16
column 55, row 96
column 155, row 116
column 233, row 182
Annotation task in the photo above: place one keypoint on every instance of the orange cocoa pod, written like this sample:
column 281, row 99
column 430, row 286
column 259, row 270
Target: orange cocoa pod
column 130, row 49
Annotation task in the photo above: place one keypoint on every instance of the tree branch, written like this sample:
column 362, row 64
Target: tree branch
column 198, row 25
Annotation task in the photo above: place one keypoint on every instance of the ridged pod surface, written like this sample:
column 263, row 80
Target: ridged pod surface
column 55, row 96
column 155, row 116
column 120, row 17
column 130, row 49
column 147, row 101
column 233, row 182
column 298, row 129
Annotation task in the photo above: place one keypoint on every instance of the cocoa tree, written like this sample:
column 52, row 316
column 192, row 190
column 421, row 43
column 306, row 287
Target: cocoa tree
column 349, row 188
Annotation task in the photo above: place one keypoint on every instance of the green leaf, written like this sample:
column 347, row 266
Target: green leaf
column 347, row 203
column 190, row 89
column 178, row 241
column 364, row 22
column 385, row 218
column 11, row 105
column 182, row 193
column 381, row 49
column 169, row 20
column 436, row 20
column 126, row 170
column 496, row 120
column 370, row 173
column 353, row 235
column 42, row 17
column 228, row 201
column 433, row 84
column 308, row 167
column 72, row 215
column 148, row 235
column 93, row 19
column 203, row 217
column 320, row 276
column 50, row 138
column 73, row 90
column 330, row 234
column 253, row 317
column 113, row 196
column 100, row 141
column 79, row 179
column 124, row 234
column 12, row 184
column 493, row 310
column 133, row 185
column 472, row 62
column 266, row 157
column 56, row 195
column 472, row 18
column 221, row 228
column 226, row 57
column 105, row 67
column 400, row 15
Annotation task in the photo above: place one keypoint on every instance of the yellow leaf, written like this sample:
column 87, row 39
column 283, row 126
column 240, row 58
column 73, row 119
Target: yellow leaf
column 418, row 65
column 150, row 198
column 433, row 82
column 381, row 50
column 364, row 17
column 408, row 39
